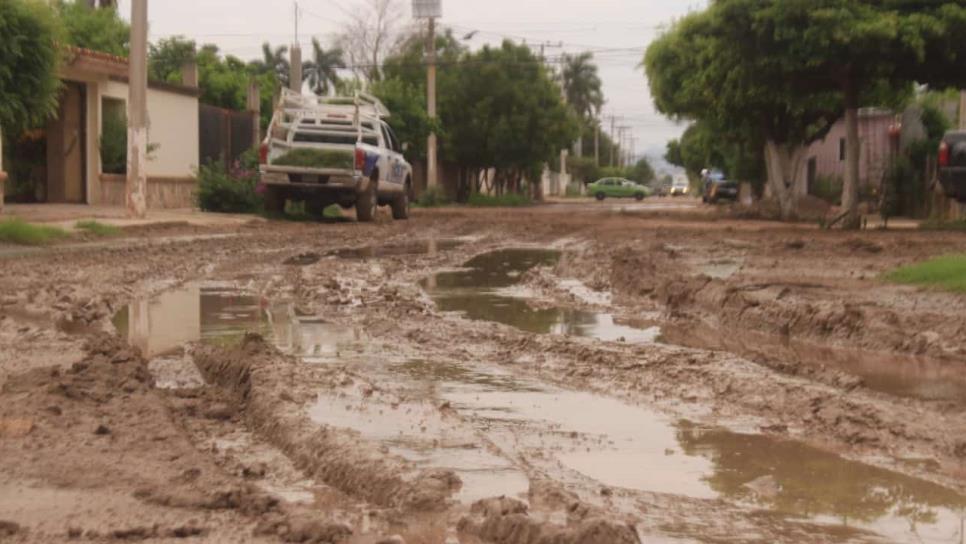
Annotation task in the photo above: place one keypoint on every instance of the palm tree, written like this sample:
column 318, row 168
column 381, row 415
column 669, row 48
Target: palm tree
column 582, row 85
column 322, row 71
column 274, row 60
column 582, row 88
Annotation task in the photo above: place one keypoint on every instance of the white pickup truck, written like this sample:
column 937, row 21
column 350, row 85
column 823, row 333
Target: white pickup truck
column 334, row 150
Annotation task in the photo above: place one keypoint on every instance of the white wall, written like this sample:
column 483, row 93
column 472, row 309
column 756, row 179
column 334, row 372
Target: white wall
column 172, row 124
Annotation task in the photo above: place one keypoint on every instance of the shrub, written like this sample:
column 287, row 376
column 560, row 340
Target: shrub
column 18, row 231
column 97, row 229
column 232, row 190
column 948, row 272
column 574, row 190
column 828, row 188
column 509, row 200
column 114, row 142
column 432, row 198
column 317, row 158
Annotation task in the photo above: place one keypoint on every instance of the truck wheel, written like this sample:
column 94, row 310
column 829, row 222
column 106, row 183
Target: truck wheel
column 274, row 200
column 368, row 200
column 600, row 196
column 400, row 204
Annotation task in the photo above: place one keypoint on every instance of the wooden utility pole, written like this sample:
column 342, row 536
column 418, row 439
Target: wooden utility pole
column 3, row 175
column 136, row 187
column 596, row 142
column 613, row 138
column 431, row 174
column 295, row 59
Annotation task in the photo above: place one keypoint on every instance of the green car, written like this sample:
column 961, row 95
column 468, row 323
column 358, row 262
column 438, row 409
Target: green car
column 618, row 188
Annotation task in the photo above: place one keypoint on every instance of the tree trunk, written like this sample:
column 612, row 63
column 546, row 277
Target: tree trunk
column 782, row 163
column 850, row 189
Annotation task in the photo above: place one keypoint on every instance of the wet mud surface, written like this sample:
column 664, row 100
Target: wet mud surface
column 716, row 381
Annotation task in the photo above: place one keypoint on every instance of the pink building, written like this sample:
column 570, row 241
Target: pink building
column 826, row 158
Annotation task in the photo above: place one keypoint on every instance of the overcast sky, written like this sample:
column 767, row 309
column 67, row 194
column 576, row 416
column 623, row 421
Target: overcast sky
column 618, row 31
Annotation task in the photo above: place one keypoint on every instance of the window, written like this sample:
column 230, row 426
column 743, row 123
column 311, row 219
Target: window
column 841, row 149
column 395, row 141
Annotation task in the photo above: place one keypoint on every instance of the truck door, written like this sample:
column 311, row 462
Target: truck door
column 397, row 169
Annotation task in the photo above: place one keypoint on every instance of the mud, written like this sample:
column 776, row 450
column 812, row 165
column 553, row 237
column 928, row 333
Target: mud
column 631, row 375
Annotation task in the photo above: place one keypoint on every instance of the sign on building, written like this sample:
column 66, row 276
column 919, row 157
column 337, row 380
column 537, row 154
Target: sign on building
column 425, row 9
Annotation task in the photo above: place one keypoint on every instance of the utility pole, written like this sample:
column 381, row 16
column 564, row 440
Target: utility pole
column 295, row 60
column 136, row 187
column 623, row 151
column 596, row 142
column 613, row 135
column 432, row 179
column 962, row 109
column 3, row 175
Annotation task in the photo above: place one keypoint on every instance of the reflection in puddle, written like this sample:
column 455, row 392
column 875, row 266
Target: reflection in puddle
column 167, row 322
column 621, row 445
column 479, row 292
column 913, row 377
column 429, row 247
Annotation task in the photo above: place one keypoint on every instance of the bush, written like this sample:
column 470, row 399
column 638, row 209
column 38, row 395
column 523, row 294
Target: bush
column 828, row 188
column 317, row 158
column 510, row 200
column 114, row 142
column 18, row 231
column 432, row 198
column 232, row 190
column 97, row 229
column 574, row 190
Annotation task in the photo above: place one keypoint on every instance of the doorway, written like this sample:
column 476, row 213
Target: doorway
column 67, row 147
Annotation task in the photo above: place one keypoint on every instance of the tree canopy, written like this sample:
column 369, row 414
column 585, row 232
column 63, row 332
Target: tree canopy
column 582, row 85
column 29, row 32
column 99, row 29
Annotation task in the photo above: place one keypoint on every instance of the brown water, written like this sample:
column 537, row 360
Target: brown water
column 903, row 376
column 429, row 247
column 222, row 314
column 483, row 290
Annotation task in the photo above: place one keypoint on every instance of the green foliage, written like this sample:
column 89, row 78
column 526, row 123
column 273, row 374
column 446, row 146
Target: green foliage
column 29, row 32
column 321, row 72
column 223, row 81
column 948, row 273
column 409, row 119
column 943, row 225
column 641, row 172
column 114, row 141
column 508, row 200
column 433, row 197
column 97, row 229
column 573, row 191
column 582, row 85
column 317, row 158
column 17, row 231
column 828, row 188
column 903, row 193
column 100, row 29
column 228, row 191
column 583, row 169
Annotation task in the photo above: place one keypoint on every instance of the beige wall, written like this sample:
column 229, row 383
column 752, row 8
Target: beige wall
column 172, row 124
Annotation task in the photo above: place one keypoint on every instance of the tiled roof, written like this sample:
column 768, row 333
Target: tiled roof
column 97, row 55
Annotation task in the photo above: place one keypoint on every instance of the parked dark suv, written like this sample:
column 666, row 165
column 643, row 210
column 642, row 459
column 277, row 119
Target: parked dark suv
column 952, row 164
column 718, row 187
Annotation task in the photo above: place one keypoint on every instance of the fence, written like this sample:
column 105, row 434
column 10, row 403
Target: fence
column 225, row 134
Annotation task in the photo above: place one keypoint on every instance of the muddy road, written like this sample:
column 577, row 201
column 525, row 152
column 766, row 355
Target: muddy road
column 562, row 374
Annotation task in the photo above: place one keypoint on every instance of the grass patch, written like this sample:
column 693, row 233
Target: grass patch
column 511, row 200
column 432, row 198
column 948, row 272
column 317, row 158
column 18, row 231
column 97, row 229
column 938, row 224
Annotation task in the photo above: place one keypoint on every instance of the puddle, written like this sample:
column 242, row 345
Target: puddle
column 584, row 437
column 903, row 376
column 482, row 291
column 424, row 247
column 215, row 313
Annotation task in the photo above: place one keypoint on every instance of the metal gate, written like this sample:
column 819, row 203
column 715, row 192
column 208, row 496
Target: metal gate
column 224, row 134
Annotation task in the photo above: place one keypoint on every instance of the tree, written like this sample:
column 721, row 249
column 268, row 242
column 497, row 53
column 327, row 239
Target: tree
column 29, row 32
column 274, row 61
column 582, row 85
column 96, row 29
column 167, row 58
column 641, row 172
column 371, row 34
column 322, row 71
column 723, row 67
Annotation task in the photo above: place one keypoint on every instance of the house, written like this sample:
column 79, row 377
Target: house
column 62, row 162
column 825, row 160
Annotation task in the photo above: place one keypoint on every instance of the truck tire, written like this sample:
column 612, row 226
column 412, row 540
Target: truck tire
column 368, row 201
column 274, row 200
column 400, row 204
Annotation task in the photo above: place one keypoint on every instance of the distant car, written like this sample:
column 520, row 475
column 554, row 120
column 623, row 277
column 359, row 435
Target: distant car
column 717, row 187
column 952, row 164
column 618, row 188
column 680, row 187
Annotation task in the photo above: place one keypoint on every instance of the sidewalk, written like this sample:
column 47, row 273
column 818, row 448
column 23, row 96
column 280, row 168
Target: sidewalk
column 66, row 215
